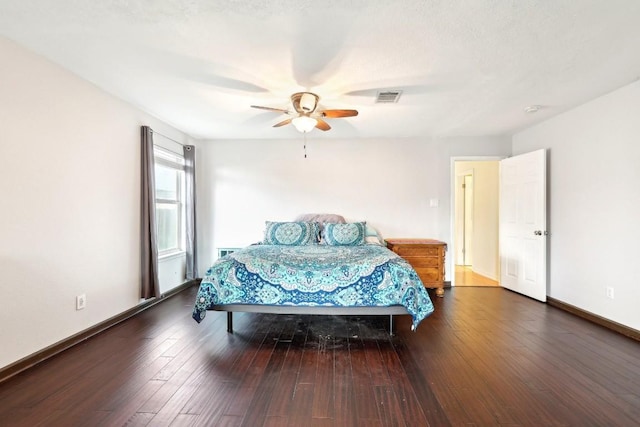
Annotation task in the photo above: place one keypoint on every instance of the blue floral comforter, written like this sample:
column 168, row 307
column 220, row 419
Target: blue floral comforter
column 313, row 275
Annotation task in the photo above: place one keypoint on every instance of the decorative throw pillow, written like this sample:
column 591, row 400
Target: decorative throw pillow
column 291, row 233
column 349, row 234
column 372, row 235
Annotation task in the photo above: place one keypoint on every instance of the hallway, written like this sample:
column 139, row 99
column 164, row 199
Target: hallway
column 465, row 276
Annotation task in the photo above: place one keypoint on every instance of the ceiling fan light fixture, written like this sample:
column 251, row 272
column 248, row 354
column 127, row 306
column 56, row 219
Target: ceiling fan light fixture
column 308, row 102
column 304, row 124
column 306, row 113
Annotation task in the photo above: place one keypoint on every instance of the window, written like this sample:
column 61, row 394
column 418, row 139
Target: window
column 170, row 207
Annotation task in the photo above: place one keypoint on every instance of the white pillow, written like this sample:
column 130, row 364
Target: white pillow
column 372, row 235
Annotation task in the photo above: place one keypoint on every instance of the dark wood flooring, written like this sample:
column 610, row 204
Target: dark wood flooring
column 486, row 357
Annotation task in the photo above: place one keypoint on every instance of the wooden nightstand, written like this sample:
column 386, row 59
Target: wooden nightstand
column 426, row 256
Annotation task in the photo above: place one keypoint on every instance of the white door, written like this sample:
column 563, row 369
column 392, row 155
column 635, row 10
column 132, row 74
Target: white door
column 523, row 223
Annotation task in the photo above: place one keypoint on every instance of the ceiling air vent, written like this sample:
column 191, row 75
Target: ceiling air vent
column 388, row 96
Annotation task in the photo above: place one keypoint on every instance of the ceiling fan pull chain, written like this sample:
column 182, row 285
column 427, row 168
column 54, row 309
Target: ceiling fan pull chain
column 305, row 144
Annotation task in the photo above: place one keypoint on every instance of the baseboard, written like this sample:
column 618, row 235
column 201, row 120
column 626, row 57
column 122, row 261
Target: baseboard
column 484, row 274
column 44, row 354
column 594, row 318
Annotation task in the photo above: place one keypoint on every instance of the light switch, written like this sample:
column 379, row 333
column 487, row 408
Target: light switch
column 433, row 203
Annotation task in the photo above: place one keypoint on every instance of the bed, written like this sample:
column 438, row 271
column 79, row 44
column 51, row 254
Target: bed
column 318, row 268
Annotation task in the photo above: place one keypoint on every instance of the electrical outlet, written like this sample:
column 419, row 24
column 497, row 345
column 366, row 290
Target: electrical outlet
column 81, row 302
column 609, row 292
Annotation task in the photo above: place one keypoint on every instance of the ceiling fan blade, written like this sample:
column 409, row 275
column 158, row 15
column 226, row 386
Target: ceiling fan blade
column 279, row 110
column 282, row 123
column 322, row 125
column 332, row 114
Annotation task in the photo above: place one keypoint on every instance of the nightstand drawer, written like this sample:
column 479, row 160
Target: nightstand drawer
column 428, row 275
column 417, row 262
column 407, row 251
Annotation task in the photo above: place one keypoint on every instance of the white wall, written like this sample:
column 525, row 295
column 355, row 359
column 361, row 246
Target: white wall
column 387, row 182
column 70, row 215
column 594, row 203
column 388, row 185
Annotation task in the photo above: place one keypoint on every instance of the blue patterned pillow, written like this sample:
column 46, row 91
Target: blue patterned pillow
column 349, row 234
column 291, row 233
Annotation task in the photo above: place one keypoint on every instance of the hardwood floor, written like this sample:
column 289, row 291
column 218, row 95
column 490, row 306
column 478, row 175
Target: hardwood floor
column 486, row 357
column 465, row 276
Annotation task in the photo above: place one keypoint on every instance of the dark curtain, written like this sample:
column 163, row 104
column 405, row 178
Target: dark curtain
column 150, row 285
column 190, row 208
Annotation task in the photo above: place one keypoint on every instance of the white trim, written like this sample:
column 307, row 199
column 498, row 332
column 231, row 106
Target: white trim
column 173, row 161
column 452, row 201
column 169, row 150
column 171, row 255
column 169, row 201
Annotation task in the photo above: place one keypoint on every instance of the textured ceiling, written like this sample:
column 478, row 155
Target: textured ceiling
column 466, row 67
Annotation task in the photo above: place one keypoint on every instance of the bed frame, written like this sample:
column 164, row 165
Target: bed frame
column 325, row 310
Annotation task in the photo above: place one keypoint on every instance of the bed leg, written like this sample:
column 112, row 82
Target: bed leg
column 230, row 322
column 391, row 324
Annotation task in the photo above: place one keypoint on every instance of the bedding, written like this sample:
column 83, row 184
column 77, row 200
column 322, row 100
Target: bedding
column 291, row 233
column 313, row 276
column 349, row 234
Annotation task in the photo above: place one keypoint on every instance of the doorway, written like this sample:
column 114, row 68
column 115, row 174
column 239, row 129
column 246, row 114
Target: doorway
column 475, row 193
column 464, row 218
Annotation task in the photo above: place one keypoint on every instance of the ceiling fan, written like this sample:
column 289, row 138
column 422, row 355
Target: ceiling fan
column 305, row 115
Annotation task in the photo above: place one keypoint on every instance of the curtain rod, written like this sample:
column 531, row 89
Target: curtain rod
column 170, row 139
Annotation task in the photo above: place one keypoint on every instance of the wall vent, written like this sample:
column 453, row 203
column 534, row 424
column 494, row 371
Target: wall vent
column 388, row 96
